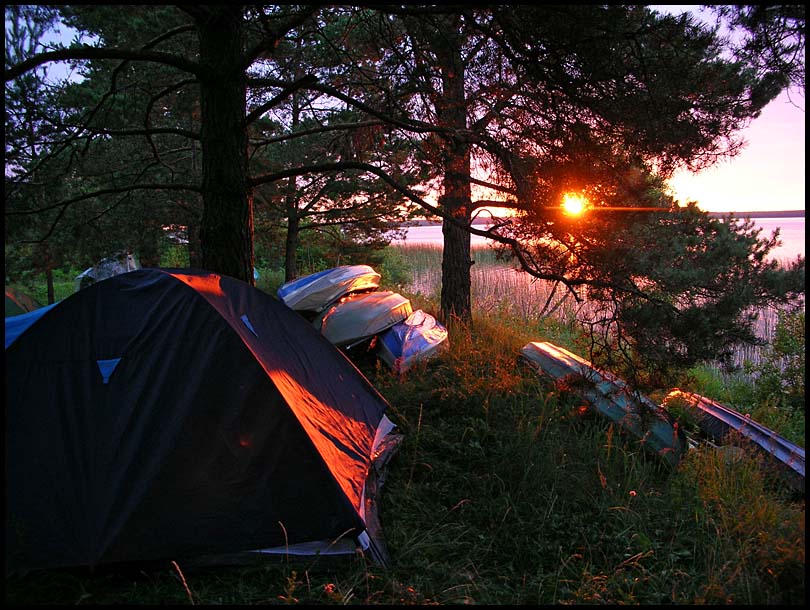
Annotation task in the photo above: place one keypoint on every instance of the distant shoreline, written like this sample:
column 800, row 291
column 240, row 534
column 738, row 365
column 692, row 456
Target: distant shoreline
column 761, row 214
column 755, row 214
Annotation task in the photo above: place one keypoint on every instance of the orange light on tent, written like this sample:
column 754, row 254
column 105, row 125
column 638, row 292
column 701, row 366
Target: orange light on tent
column 209, row 284
column 574, row 204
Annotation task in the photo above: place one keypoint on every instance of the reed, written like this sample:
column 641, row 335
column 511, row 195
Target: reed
column 499, row 288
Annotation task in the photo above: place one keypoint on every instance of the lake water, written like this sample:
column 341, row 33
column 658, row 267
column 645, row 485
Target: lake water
column 791, row 234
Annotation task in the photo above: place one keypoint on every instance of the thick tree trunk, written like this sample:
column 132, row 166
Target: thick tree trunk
column 456, row 262
column 457, row 198
column 226, row 231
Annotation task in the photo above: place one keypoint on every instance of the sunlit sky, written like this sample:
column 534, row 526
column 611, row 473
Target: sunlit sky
column 767, row 175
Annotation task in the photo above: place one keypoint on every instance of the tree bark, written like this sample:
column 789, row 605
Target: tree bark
column 291, row 206
column 293, row 232
column 451, row 109
column 226, row 231
column 49, row 282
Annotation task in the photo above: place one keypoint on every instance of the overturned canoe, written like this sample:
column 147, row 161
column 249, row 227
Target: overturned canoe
column 416, row 338
column 118, row 263
column 717, row 422
column 655, row 429
column 357, row 317
column 312, row 293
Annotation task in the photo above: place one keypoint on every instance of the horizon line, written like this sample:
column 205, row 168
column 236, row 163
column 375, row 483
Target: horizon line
column 742, row 214
column 763, row 213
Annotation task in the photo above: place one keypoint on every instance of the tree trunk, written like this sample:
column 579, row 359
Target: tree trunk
column 148, row 248
column 226, row 231
column 456, row 262
column 451, row 109
column 194, row 246
column 291, row 247
column 291, row 207
column 49, row 281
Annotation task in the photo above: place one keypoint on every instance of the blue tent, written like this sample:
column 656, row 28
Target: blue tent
column 173, row 414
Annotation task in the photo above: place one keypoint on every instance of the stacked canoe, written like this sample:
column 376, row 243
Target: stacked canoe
column 345, row 304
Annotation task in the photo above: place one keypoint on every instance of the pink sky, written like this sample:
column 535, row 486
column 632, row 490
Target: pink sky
column 767, row 175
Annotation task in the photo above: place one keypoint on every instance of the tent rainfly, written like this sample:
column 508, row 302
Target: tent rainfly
column 18, row 302
column 172, row 414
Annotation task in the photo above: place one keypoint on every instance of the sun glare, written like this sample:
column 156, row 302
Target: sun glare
column 574, row 204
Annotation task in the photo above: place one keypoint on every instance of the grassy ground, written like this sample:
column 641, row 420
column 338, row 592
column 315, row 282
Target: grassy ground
column 504, row 492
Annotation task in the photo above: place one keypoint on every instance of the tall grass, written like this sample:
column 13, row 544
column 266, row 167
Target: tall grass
column 505, row 492
column 500, row 291
column 499, row 288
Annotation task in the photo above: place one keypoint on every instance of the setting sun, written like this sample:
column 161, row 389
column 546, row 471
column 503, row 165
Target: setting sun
column 574, row 204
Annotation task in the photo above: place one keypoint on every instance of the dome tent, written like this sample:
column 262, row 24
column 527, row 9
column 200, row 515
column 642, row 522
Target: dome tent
column 171, row 414
column 18, row 302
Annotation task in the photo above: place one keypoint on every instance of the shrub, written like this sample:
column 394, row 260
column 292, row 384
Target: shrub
column 779, row 377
